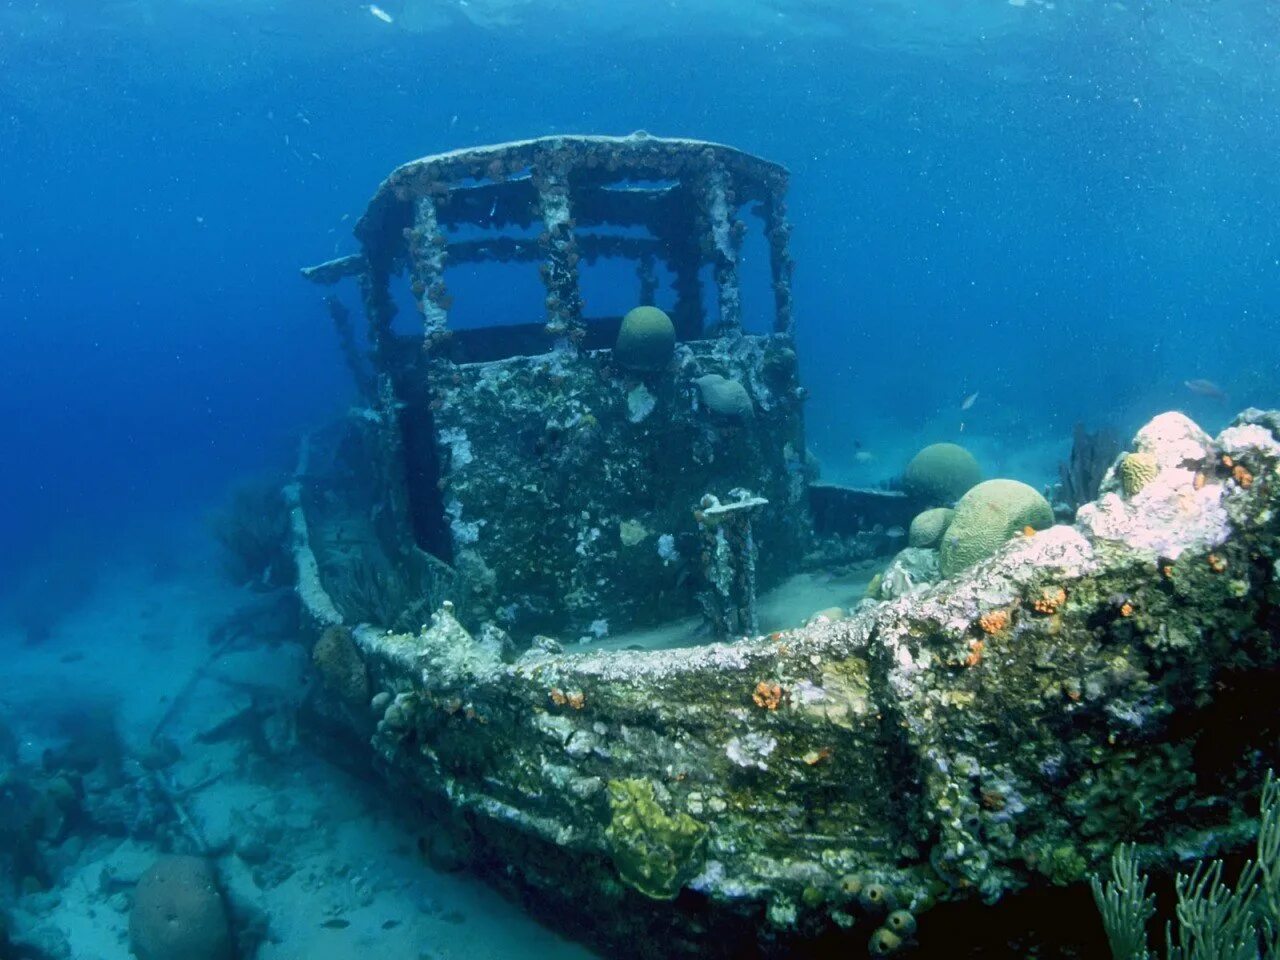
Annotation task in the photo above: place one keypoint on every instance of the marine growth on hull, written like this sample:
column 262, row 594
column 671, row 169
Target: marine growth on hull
column 574, row 581
column 556, row 471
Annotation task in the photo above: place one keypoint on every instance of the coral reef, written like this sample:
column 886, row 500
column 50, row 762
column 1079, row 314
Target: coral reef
column 646, row 340
column 1174, row 506
column 940, row 474
column 986, row 517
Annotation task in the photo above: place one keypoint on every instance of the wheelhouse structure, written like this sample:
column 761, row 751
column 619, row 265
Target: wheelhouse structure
column 519, row 468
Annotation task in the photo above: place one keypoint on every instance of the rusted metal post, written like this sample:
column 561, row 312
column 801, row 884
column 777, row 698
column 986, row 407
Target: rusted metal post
column 389, row 461
column 560, row 269
column 427, row 250
column 379, row 311
column 725, row 235
column 778, row 233
column 729, row 563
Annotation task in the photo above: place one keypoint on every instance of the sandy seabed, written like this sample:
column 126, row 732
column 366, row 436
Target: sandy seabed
column 329, row 861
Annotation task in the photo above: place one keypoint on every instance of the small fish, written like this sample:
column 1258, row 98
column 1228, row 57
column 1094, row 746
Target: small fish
column 1205, row 388
column 381, row 14
column 337, row 923
column 969, row 401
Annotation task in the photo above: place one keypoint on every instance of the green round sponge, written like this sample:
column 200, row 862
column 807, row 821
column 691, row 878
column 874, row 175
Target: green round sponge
column 986, row 517
column 940, row 474
column 646, row 339
column 928, row 527
column 728, row 398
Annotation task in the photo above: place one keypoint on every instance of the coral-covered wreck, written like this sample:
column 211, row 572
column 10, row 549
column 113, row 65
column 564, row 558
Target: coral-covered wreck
column 825, row 787
column 532, row 472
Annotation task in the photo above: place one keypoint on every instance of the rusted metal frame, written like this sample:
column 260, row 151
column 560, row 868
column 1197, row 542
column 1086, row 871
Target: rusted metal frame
column 560, row 268
column 331, row 271
column 724, row 234
column 379, row 311
column 778, row 233
column 428, row 251
column 591, row 246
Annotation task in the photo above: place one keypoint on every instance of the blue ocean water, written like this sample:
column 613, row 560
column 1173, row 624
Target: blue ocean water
column 1066, row 208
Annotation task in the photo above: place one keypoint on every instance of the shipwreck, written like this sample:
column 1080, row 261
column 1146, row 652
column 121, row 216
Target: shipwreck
column 509, row 493
column 542, row 471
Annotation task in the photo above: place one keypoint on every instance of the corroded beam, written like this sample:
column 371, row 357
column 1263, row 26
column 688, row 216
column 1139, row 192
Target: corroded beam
column 560, row 269
column 331, row 271
column 778, row 234
column 427, row 255
column 724, row 243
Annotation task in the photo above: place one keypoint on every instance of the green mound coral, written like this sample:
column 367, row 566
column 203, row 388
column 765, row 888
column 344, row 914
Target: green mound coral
column 986, row 517
column 654, row 852
column 728, row 398
column 1136, row 471
column 940, row 474
column 646, row 339
column 928, row 527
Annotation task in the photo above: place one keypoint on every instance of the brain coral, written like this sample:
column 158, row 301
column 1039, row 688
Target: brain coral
column 940, row 474
column 646, row 339
column 1136, row 471
column 178, row 913
column 729, row 398
column 986, row 517
column 928, row 527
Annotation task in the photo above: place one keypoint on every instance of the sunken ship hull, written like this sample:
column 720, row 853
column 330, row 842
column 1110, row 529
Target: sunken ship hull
column 838, row 786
